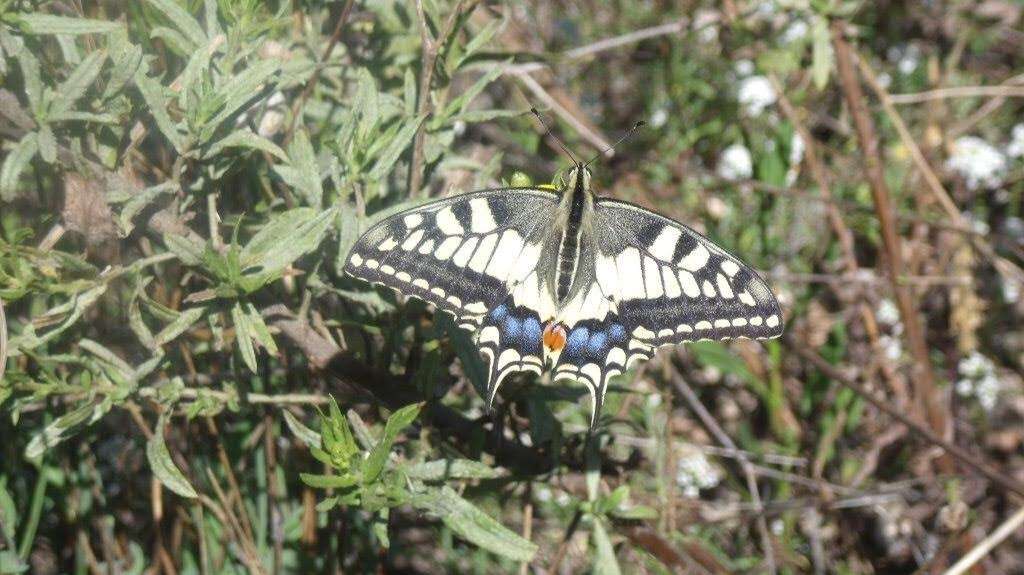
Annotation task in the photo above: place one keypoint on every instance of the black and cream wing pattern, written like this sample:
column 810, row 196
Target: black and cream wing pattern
column 581, row 285
column 476, row 256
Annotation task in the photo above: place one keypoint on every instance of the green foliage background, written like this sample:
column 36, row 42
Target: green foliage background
column 191, row 386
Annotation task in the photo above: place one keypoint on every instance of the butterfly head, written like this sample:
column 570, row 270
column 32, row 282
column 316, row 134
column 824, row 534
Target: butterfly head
column 579, row 178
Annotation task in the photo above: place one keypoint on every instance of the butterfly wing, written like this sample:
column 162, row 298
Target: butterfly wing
column 656, row 282
column 475, row 256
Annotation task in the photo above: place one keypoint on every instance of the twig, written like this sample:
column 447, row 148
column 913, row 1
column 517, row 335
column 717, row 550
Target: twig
column 592, row 137
column 3, row 340
column 959, row 92
column 887, row 407
column 722, row 437
column 431, row 48
column 605, row 45
column 1003, row 266
column 987, row 544
column 308, row 88
column 926, row 391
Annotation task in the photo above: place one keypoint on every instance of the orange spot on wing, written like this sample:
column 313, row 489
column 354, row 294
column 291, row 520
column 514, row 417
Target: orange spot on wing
column 554, row 336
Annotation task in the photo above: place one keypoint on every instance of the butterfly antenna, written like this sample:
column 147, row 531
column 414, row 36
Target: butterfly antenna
column 635, row 127
column 553, row 136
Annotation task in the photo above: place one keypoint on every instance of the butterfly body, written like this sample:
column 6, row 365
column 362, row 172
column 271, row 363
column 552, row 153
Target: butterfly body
column 578, row 284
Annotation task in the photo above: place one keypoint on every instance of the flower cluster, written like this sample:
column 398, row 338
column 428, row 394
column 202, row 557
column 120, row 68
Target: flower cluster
column 978, row 378
column 694, row 472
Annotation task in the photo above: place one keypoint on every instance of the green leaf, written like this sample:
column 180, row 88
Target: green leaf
column 244, row 337
column 39, row 23
column 74, row 87
column 47, row 144
column 398, row 421
column 329, row 481
column 8, row 512
column 348, row 234
column 605, row 563
column 163, row 467
column 139, row 201
column 260, row 332
column 306, row 435
column 302, row 171
column 18, row 158
column 239, row 91
column 32, row 78
column 822, row 57
column 156, row 102
column 64, row 427
column 190, row 252
column 285, row 238
column 184, row 321
column 182, row 20
column 245, row 139
column 473, row 525
column 11, row 563
column 444, row 469
column 394, row 149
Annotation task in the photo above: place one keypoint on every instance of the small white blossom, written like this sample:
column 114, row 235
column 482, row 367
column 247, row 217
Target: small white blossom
column 735, row 163
column 888, row 313
column 910, row 60
column 891, row 347
column 796, row 150
column 694, row 472
column 884, row 80
column 979, row 226
column 978, row 378
column 979, row 162
column 706, row 24
column 1011, row 290
column 778, row 526
column 654, row 400
column 1015, row 149
column 659, row 117
column 744, row 68
column 795, row 32
column 755, row 94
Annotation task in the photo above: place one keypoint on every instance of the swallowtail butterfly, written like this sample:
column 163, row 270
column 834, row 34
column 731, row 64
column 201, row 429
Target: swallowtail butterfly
column 579, row 284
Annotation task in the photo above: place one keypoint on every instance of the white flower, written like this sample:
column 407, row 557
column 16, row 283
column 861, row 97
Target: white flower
column 891, row 347
column 735, row 163
column 706, row 24
column 979, row 226
column 888, row 313
column 756, row 94
column 1015, row 149
column 744, row 68
column 796, row 150
column 1011, row 290
column 654, row 400
column 978, row 378
column 694, row 472
column 794, row 32
column 911, row 58
column 884, row 80
column 978, row 161
column 659, row 117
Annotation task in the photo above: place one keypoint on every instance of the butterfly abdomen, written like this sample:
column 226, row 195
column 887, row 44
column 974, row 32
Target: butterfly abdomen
column 569, row 243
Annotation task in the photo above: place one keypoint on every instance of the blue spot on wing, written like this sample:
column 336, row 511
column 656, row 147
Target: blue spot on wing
column 511, row 327
column 531, row 331
column 576, row 341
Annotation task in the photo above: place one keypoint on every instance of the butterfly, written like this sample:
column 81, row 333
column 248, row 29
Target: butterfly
column 567, row 281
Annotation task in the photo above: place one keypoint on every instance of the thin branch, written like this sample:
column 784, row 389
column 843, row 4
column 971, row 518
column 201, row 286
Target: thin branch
column 959, row 92
column 886, row 406
column 722, row 437
column 311, row 83
column 987, row 544
column 431, row 49
column 926, row 390
column 605, row 45
column 592, row 137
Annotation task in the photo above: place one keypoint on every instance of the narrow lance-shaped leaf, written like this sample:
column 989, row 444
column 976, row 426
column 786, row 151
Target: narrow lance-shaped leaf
column 39, row 23
column 398, row 421
column 163, row 466
column 474, row 525
column 184, row 321
column 393, row 151
column 15, row 164
column 605, row 562
column 243, row 336
column 286, row 238
column 182, row 20
column 74, row 87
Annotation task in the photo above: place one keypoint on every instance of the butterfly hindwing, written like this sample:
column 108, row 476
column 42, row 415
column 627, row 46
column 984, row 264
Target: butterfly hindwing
column 673, row 285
